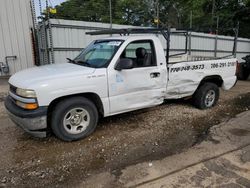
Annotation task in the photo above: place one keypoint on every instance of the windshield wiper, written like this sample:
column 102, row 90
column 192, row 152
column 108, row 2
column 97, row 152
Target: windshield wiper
column 84, row 63
column 71, row 60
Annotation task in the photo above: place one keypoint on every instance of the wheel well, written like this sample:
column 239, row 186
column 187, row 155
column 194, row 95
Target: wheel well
column 216, row 79
column 91, row 96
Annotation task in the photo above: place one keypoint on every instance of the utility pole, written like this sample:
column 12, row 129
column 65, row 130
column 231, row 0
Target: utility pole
column 110, row 13
column 217, row 25
column 236, row 32
column 157, row 12
column 191, row 20
column 213, row 7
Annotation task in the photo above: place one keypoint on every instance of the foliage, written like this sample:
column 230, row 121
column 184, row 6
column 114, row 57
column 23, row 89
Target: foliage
column 206, row 14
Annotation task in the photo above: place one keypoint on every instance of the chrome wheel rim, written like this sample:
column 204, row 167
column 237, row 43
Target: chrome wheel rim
column 210, row 98
column 76, row 120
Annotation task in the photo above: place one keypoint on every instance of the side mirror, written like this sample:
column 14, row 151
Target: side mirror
column 124, row 63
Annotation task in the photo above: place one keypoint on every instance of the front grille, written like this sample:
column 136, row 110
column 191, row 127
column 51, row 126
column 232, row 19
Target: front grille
column 13, row 89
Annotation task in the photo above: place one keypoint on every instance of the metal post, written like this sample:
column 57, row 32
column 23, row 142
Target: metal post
column 168, row 44
column 216, row 37
column 110, row 13
column 215, row 45
column 50, row 33
column 42, row 36
column 45, row 43
column 40, row 7
column 190, row 34
column 189, row 43
column 32, row 6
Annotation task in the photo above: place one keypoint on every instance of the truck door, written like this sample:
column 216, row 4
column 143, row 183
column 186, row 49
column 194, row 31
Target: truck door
column 139, row 87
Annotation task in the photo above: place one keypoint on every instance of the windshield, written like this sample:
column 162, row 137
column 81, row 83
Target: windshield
column 98, row 54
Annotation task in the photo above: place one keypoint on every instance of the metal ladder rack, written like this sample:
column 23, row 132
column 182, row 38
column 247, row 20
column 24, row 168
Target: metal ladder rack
column 126, row 32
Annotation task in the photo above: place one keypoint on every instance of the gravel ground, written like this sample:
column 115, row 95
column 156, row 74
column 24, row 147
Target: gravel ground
column 119, row 141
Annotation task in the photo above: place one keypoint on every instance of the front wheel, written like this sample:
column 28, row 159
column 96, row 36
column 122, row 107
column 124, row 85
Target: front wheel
column 74, row 118
column 206, row 96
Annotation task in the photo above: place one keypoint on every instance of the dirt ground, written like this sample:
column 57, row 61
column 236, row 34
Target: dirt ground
column 119, row 141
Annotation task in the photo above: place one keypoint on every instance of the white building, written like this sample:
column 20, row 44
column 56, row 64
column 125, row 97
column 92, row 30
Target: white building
column 16, row 27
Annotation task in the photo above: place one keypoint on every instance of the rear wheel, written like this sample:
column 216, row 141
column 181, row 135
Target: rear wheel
column 244, row 72
column 74, row 118
column 206, row 96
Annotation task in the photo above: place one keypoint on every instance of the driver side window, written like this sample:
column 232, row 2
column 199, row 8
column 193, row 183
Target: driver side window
column 142, row 53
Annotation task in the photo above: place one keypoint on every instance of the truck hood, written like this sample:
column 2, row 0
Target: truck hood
column 26, row 78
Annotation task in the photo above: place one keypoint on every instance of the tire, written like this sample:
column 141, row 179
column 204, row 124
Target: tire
column 74, row 118
column 244, row 72
column 206, row 96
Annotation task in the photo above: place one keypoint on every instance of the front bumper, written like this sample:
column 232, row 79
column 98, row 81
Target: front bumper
column 33, row 122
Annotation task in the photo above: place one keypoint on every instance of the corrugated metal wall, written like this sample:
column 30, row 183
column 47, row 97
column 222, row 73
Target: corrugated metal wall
column 15, row 34
column 69, row 38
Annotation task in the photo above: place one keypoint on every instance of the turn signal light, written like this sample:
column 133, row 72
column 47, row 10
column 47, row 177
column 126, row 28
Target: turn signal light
column 27, row 106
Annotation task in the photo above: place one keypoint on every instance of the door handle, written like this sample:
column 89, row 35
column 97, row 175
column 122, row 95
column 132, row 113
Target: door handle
column 155, row 74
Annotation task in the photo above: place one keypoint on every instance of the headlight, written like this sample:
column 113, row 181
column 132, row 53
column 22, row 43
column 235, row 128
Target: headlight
column 26, row 93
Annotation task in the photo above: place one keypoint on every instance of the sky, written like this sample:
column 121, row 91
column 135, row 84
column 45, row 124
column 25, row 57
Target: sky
column 51, row 2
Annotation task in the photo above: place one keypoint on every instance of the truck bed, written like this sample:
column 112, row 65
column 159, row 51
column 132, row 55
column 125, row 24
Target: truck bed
column 184, row 77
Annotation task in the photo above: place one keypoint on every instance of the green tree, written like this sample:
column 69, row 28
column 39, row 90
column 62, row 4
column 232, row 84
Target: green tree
column 227, row 12
column 123, row 11
column 172, row 13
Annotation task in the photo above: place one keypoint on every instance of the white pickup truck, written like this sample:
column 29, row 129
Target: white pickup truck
column 111, row 76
